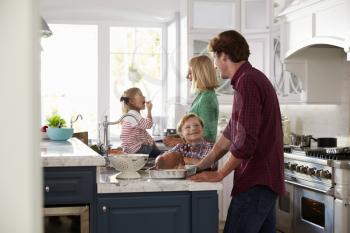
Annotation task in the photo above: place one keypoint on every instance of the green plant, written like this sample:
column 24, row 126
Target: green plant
column 56, row 121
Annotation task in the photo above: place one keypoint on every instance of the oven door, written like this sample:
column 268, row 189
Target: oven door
column 284, row 210
column 72, row 219
column 313, row 211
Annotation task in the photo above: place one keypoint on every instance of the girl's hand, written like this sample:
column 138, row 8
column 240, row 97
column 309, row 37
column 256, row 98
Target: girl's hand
column 149, row 105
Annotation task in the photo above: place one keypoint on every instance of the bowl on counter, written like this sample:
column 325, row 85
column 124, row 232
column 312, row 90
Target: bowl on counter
column 128, row 164
column 59, row 134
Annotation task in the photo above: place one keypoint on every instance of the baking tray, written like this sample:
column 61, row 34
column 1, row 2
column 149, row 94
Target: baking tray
column 172, row 173
column 168, row 173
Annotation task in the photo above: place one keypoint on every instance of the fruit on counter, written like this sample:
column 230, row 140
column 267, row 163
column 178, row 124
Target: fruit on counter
column 43, row 128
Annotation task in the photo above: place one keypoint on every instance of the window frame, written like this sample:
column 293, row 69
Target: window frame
column 103, row 66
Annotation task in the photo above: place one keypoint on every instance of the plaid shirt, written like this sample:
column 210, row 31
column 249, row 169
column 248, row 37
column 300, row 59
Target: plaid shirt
column 198, row 151
column 255, row 132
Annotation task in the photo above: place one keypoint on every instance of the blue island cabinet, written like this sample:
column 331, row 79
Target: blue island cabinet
column 159, row 212
column 67, row 187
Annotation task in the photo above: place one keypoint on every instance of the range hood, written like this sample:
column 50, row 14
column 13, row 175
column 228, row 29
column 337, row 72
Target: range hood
column 45, row 30
column 314, row 22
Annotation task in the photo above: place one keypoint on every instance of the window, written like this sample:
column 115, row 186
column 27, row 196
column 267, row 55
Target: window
column 135, row 61
column 73, row 70
column 69, row 75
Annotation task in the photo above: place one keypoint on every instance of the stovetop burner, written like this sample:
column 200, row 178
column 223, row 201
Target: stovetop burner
column 334, row 153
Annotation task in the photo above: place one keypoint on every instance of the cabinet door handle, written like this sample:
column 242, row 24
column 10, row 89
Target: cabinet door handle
column 47, row 189
column 104, row 209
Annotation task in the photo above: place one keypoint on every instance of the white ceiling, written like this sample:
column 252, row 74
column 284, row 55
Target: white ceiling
column 114, row 10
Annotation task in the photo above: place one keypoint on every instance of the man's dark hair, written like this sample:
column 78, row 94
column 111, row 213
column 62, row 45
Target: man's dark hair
column 232, row 43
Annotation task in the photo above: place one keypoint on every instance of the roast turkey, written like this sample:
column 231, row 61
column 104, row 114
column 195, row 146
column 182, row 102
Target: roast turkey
column 170, row 160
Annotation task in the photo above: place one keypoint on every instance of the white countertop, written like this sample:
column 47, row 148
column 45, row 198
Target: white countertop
column 72, row 152
column 107, row 183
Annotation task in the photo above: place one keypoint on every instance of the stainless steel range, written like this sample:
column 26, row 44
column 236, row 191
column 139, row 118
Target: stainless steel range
column 318, row 191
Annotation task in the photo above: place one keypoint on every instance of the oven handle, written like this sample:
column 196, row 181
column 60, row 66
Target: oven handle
column 329, row 191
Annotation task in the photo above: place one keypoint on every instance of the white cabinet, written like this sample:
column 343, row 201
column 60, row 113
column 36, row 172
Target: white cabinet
column 198, row 45
column 212, row 15
column 312, row 22
column 225, row 193
column 259, row 45
column 341, row 215
column 255, row 16
column 259, row 58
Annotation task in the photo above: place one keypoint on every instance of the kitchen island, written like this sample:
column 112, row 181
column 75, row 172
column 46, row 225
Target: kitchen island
column 70, row 153
column 76, row 175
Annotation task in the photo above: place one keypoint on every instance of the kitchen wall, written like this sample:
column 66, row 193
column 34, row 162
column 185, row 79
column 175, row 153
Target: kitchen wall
column 20, row 163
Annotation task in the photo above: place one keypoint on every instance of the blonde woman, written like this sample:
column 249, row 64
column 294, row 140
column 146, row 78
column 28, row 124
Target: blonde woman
column 202, row 74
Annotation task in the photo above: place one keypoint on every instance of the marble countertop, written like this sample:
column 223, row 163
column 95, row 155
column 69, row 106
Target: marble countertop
column 107, row 183
column 72, row 152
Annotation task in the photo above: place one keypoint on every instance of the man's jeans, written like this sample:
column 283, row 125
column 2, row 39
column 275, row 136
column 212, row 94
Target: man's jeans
column 252, row 211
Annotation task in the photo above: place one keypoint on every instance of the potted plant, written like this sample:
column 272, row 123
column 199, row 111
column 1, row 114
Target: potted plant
column 57, row 129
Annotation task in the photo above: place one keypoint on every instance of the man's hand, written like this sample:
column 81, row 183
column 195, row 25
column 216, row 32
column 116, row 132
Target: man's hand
column 208, row 176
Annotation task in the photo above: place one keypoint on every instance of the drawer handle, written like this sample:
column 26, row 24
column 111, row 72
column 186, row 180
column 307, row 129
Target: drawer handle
column 47, row 189
column 104, row 209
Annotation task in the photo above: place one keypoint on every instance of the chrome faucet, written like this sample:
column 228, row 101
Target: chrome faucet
column 105, row 146
column 76, row 119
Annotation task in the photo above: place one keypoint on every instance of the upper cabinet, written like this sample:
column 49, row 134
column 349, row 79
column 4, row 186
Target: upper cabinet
column 198, row 45
column 212, row 15
column 259, row 58
column 310, row 22
column 201, row 20
column 255, row 16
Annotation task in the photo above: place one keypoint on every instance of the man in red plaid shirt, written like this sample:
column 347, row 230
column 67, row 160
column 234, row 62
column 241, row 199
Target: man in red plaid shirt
column 253, row 137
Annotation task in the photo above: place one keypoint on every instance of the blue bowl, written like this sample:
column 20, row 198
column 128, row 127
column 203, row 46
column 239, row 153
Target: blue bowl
column 59, row 134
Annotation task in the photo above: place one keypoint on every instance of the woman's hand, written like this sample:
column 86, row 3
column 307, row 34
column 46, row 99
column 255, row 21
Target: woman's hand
column 172, row 141
column 208, row 176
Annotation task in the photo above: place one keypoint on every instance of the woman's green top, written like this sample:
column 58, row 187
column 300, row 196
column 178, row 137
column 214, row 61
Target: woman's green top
column 206, row 106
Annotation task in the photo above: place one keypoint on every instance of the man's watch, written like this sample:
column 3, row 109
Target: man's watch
column 191, row 170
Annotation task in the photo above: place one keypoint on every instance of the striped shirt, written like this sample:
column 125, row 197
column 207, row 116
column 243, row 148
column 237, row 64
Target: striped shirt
column 134, row 133
column 197, row 151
